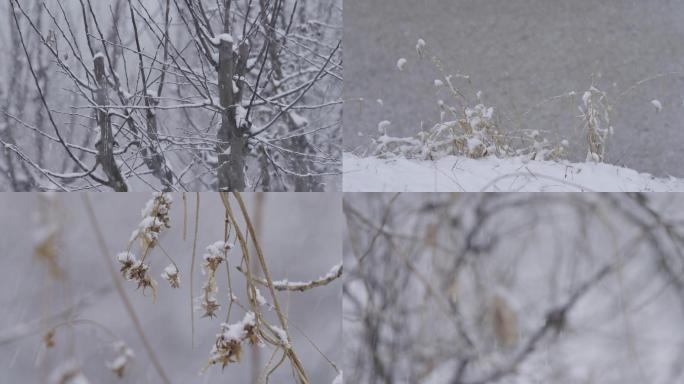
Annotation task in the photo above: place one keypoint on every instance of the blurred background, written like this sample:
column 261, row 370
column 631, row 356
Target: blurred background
column 514, row 288
column 301, row 242
column 520, row 53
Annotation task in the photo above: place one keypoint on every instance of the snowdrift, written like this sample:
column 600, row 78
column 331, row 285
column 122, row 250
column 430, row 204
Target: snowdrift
column 492, row 174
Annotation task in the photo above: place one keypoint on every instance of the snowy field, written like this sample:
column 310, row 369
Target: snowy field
column 452, row 173
column 520, row 53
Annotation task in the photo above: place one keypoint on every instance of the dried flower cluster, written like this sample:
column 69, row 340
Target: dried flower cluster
column 136, row 270
column 155, row 219
column 122, row 359
column 136, row 264
column 171, row 275
column 49, row 339
column 216, row 254
column 228, row 344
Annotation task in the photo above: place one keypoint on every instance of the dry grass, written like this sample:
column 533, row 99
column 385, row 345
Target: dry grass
column 468, row 127
column 596, row 117
column 249, row 319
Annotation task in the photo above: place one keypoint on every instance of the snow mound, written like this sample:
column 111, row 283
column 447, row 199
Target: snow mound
column 492, row 174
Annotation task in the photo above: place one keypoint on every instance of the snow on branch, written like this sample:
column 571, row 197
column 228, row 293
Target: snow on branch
column 301, row 286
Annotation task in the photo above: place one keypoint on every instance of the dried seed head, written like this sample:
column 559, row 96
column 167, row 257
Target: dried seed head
column 207, row 302
column 209, row 306
column 225, row 352
column 172, row 275
column 212, row 262
column 49, row 339
column 126, row 259
column 123, row 356
column 155, row 219
column 216, row 253
column 251, row 333
column 228, row 344
column 135, row 270
column 139, row 272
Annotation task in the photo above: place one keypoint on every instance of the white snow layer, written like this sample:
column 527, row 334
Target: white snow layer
column 453, row 173
column 237, row 331
column 282, row 335
column 259, row 297
column 298, row 284
column 216, row 41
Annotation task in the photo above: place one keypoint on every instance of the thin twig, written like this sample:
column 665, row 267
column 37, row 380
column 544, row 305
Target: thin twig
column 192, row 268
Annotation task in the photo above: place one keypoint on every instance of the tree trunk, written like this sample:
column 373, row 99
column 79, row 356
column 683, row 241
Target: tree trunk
column 232, row 142
column 105, row 146
column 153, row 158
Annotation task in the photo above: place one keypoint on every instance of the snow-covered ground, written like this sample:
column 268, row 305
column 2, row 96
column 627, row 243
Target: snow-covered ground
column 519, row 53
column 452, row 173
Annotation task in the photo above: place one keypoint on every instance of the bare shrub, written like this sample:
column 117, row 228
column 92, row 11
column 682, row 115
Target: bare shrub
column 505, row 288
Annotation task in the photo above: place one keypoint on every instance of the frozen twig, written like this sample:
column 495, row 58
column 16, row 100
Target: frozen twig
column 301, row 286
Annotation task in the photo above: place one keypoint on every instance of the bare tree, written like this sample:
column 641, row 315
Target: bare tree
column 185, row 95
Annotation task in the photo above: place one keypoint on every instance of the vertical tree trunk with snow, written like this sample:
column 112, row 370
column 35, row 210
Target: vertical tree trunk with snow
column 264, row 171
column 153, row 158
column 105, row 146
column 232, row 142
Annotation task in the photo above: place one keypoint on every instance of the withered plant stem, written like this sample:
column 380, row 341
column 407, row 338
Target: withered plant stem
column 294, row 359
column 192, row 268
column 120, row 289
